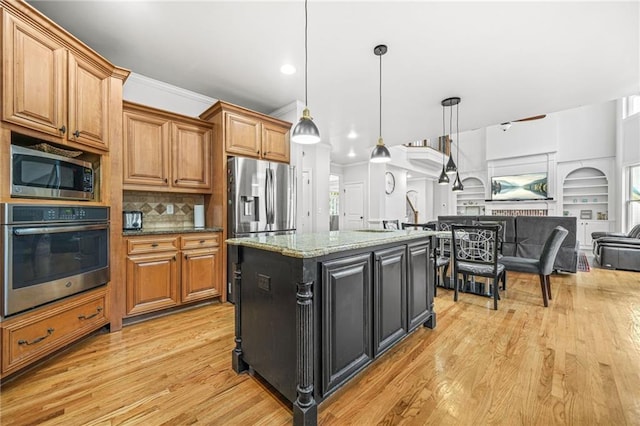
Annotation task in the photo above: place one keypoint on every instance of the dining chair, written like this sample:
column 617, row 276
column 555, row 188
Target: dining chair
column 391, row 224
column 475, row 253
column 543, row 266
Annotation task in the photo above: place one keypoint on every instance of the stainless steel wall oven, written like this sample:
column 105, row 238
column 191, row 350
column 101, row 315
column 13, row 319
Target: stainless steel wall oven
column 51, row 252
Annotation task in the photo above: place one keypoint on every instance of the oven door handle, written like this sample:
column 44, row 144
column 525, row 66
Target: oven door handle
column 58, row 229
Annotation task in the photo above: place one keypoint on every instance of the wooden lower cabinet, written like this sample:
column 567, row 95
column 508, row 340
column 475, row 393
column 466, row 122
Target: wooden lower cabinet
column 164, row 272
column 33, row 335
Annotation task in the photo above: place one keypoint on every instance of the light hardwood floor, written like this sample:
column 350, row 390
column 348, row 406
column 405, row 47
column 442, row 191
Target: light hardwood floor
column 576, row 362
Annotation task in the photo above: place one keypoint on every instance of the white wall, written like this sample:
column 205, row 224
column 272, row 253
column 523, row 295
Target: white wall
column 395, row 203
column 631, row 140
column 587, row 133
column 425, row 206
column 522, row 139
column 147, row 91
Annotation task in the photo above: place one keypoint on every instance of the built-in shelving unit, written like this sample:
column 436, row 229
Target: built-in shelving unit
column 471, row 199
column 586, row 192
column 585, row 195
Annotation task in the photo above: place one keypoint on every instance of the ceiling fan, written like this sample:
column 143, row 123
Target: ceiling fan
column 507, row 124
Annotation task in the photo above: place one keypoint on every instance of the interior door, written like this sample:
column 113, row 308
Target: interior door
column 354, row 205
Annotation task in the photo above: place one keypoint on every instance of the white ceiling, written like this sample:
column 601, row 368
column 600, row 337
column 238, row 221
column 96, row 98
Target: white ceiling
column 506, row 60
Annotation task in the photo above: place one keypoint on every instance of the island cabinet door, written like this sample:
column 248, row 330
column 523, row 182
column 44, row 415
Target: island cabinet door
column 346, row 319
column 389, row 298
column 420, row 284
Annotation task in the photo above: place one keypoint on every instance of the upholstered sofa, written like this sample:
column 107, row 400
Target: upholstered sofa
column 616, row 250
column 525, row 236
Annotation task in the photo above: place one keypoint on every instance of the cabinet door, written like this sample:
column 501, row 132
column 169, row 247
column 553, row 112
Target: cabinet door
column 275, row 143
column 191, row 156
column 88, row 110
column 420, row 284
column 200, row 274
column 146, row 151
column 152, row 283
column 34, row 91
column 389, row 298
column 242, row 135
column 585, row 228
column 346, row 319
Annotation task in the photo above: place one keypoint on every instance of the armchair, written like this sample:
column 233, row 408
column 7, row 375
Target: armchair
column 618, row 251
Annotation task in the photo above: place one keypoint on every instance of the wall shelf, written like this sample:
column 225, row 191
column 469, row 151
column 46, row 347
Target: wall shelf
column 471, row 199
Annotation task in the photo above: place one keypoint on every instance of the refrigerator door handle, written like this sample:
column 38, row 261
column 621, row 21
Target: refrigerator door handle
column 272, row 199
column 267, row 195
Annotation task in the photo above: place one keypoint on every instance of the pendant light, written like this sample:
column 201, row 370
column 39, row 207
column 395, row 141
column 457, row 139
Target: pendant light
column 443, row 179
column 450, row 102
column 305, row 131
column 380, row 153
column 457, row 184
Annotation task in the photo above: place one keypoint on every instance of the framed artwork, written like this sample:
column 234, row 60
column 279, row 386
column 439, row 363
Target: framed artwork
column 586, row 214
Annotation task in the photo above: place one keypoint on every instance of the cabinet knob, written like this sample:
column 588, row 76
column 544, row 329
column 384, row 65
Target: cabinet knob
column 175, row 181
column 166, row 180
column 258, row 152
column 63, row 129
column 76, row 133
column 174, row 258
column 186, row 257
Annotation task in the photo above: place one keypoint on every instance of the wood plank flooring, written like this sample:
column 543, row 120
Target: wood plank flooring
column 576, row 363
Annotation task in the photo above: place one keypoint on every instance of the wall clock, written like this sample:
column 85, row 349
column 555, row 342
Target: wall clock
column 389, row 182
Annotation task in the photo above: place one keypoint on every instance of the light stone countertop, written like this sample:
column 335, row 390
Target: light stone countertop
column 174, row 230
column 323, row 243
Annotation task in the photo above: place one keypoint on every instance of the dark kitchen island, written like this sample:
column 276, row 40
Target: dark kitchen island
column 312, row 310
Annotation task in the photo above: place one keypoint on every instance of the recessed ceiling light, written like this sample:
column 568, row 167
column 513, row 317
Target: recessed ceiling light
column 352, row 135
column 351, row 153
column 288, row 69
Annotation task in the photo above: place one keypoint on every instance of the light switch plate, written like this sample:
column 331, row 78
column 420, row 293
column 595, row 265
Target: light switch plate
column 169, row 208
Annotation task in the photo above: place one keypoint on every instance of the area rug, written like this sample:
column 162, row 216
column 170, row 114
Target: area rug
column 583, row 263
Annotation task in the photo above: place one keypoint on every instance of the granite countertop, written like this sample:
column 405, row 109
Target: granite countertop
column 177, row 230
column 323, row 243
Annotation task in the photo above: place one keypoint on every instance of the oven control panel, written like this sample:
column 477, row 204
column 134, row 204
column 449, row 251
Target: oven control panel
column 24, row 213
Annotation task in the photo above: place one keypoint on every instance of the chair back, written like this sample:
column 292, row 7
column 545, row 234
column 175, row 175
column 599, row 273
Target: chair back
column 476, row 244
column 551, row 248
column 391, row 224
column 501, row 229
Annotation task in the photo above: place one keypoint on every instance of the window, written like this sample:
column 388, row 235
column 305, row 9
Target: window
column 633, row 196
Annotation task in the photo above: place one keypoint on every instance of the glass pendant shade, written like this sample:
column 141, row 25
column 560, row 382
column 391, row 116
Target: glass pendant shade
column 305, row 131
column 444, row 179
column 457, row 184
column 380, row 153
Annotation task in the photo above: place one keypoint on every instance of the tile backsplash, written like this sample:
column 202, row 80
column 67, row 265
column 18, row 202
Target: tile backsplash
column 153, row 206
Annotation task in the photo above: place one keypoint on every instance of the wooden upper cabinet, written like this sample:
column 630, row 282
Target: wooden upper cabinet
column 146, row 150
column 249, row 134
column 243, row 135
column 191, row 156
column 88, row 104
column 34, row 74
column 165, row 151
column 53, row 85
column 275, row 142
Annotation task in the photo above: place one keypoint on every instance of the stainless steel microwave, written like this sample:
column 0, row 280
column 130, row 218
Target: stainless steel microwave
column 37, row 174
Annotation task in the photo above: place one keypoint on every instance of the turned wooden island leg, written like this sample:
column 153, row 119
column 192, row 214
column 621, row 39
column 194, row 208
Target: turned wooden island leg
column 305, row 409
column 237, row 362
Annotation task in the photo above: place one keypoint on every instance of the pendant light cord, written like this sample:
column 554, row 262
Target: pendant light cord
column 444, row 138
column 458, row 134
column 380, row 96
column 306, row 24
column 450, row 127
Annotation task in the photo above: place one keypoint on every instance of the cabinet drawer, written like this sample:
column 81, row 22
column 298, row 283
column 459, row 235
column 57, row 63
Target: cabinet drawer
column 34, row 335
column 199, row 240
column 151, row 245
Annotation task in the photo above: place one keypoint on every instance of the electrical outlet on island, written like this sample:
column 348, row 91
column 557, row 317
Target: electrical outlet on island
column 169, row 208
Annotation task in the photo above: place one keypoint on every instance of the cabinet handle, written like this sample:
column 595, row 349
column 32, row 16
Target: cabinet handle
column 186, row 257
column 174, row 258
column 76, row 133
column 166, row 180
column 98, row 310
column 37, row 339
column 201, row 241
column 258, row 152
column 154, row 245
column 175, row 181
column 63, row 129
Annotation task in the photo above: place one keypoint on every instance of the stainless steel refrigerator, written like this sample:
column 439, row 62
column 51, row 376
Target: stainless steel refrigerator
column 261, row 201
